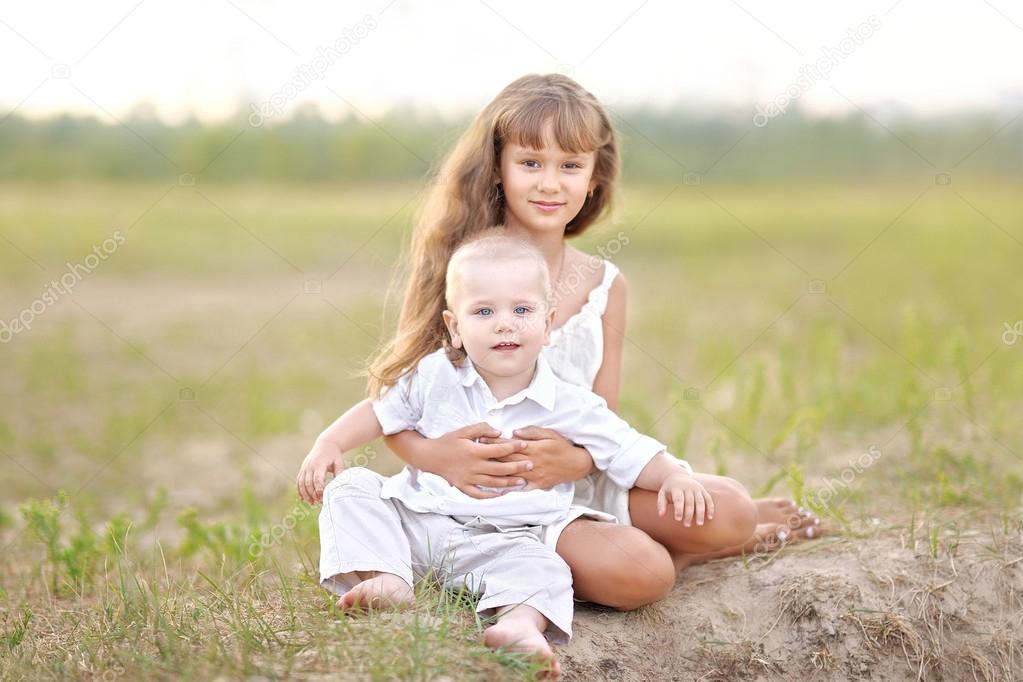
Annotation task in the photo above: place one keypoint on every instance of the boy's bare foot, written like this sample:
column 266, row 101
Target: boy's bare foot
column 518, row 634
column 383, row 591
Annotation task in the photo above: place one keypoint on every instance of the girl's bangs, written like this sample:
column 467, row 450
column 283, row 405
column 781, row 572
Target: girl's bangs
column 576, row 127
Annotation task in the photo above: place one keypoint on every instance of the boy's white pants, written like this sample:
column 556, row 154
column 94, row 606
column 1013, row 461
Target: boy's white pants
column 360, row 531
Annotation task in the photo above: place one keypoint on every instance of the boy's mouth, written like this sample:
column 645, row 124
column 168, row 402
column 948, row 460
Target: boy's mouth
column 505, row 347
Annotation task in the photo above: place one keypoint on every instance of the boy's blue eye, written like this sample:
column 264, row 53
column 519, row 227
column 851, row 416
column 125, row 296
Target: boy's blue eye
column 522, row 310
column 485, row 312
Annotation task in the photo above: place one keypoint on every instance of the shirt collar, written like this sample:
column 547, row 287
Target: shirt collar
column 541, row 390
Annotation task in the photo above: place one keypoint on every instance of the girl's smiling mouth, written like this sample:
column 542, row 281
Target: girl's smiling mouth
column 548, row 206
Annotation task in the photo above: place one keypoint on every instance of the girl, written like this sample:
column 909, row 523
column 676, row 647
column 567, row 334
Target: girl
column 542, row 159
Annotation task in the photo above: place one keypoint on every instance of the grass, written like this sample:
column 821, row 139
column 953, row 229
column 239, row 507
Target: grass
column 155, row 419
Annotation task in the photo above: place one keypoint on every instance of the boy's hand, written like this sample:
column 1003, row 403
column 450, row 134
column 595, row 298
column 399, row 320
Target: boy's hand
column 312, row 477
column 688, row 496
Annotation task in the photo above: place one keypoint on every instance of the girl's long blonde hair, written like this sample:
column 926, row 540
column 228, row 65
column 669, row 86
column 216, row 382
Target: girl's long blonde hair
column 465, row 199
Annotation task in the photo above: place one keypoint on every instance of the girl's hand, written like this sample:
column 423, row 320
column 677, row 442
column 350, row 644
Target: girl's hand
column 555, row 459
column 312, row 476
column 465, row 463
column 688, row 496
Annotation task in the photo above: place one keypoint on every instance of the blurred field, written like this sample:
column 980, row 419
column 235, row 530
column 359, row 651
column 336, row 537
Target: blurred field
column 776, row 334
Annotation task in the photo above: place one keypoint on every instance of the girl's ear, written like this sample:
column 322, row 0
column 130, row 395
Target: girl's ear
column 451, row 322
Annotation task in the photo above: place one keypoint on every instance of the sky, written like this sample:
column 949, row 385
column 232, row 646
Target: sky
column 206, row 59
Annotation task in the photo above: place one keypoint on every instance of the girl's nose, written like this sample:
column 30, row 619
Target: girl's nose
column 549, row 181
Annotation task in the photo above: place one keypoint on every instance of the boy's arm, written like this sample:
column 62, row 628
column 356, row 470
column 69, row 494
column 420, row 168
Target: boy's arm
column 634, row 460
column 615, row 446
column 676, row 486
column 657, row 471
column 355, row 428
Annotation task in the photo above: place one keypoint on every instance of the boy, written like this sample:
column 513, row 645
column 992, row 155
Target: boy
column 378, row 535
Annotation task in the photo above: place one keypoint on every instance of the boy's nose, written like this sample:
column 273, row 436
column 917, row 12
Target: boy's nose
column 503, row 323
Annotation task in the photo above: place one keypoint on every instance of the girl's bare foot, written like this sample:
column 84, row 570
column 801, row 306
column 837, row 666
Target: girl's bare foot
column 520, row 634
column 781, row 510
column 771, row 536
column 382, row 591
column 781, row 513
column 785, row 523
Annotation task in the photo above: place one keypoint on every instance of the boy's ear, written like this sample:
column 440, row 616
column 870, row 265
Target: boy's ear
column 548, row 324
column 451, row 322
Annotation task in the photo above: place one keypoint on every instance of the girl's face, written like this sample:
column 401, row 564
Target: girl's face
column 544, row 189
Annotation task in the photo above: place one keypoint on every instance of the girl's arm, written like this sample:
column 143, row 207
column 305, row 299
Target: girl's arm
column 355, row 428
column 608, row 382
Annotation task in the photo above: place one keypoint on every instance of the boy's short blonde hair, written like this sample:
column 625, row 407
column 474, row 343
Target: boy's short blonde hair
column 493, row 245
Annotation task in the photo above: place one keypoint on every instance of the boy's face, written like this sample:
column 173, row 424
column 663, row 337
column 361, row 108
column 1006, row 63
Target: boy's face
column 499, row 316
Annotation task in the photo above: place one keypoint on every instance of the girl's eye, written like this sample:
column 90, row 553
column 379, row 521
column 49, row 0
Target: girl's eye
column 485, row 312
column 573, row 166
column 522, row 310
column 527, row 162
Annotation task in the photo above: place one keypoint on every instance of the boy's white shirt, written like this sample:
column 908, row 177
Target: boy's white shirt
column 437, row 398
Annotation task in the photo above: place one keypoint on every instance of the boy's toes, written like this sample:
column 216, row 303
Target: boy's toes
column 381, row 592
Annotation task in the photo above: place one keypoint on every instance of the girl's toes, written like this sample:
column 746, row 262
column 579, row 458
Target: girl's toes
column 774, row 509
column 802, row 518
column 774, row 536
column 807, row 532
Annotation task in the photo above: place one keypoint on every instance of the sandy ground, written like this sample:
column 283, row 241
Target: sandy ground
column 831, row 609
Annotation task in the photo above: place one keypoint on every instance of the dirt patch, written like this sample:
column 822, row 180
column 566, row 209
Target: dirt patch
column 834, row 609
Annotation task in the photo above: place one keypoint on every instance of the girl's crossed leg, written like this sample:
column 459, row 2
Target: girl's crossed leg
column 626, row 567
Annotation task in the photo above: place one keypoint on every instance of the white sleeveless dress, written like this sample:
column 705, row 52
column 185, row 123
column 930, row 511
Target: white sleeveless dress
column 575, row 353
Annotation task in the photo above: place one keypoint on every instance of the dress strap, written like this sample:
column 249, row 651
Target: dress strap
column 597, row 300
